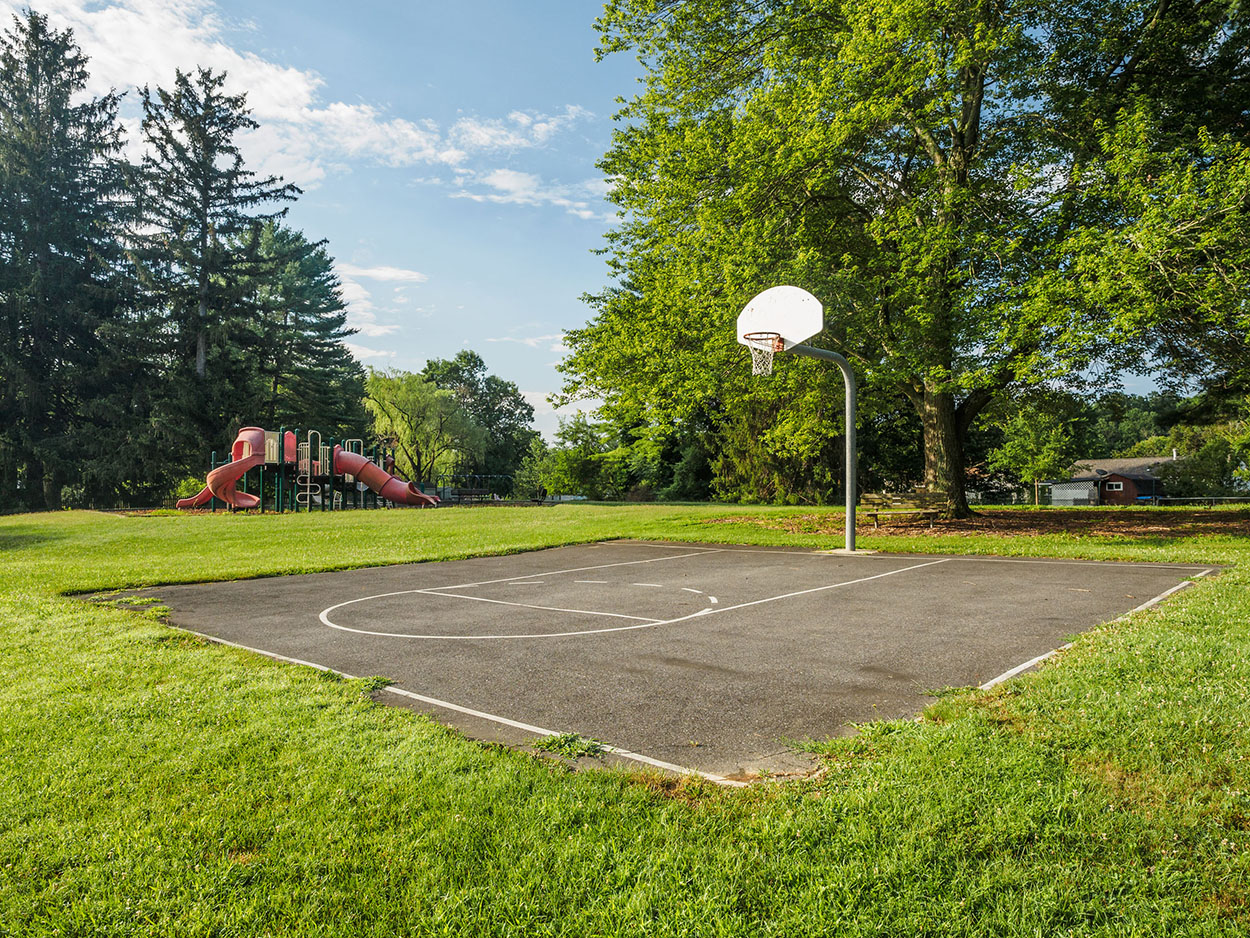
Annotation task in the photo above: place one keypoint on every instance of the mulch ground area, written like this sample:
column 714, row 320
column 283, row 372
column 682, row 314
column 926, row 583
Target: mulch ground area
column 1008, row 523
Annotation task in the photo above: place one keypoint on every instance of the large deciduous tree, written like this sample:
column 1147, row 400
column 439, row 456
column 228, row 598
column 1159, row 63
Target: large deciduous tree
column 938, row 174
column 495, row 404
column 429, row 429
column 63, row 289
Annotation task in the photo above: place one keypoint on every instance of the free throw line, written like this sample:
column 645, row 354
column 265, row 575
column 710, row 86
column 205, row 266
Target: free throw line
column 702, row 613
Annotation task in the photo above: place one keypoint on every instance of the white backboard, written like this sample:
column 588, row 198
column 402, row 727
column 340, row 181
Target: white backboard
column 790, row 311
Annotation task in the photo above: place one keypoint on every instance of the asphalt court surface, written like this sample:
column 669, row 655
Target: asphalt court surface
column 702, row 656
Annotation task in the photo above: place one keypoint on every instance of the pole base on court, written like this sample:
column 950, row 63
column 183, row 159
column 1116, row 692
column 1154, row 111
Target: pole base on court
column 842, row 550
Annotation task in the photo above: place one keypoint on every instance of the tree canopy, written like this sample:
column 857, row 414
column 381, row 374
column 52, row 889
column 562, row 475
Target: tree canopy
column 63, row 288
column 146, row 312
column 966, row 187
column 428, row 428
column 496, row 405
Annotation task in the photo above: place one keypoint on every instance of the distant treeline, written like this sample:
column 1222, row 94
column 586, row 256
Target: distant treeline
column 147, row 308
column 1020, row 440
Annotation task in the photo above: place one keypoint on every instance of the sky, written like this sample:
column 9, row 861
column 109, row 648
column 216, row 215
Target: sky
column 446, row 151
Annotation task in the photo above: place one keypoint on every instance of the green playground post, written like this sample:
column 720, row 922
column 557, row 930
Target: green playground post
column 212, row 464
column 332, row 474
column 277, row 497
column 294, row 497
column 373, row 457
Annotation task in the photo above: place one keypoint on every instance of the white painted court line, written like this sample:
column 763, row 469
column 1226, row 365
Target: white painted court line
column 658, row 586
column 883, row 555
column 325, row 613
column 507, row 602
column 650, row 624
column 1008, row 675
column 538, row 730
column 529, row 728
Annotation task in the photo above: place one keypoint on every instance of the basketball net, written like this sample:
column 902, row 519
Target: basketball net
column 763, row 346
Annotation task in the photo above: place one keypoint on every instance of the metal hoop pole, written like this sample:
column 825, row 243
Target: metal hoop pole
column 848, row 378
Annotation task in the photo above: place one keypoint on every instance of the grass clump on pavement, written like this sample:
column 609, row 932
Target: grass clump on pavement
column 570, row 745
column 157, row 784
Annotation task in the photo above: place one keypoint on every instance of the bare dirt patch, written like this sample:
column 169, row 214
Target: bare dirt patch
column 1129, row 522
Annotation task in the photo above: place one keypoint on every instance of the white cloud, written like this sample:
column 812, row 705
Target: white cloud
column 362, row 353
column 553, row 342
column 397, row 274
column 520, row 130
column 132, row 43
column 511, row 187
column 362, row 312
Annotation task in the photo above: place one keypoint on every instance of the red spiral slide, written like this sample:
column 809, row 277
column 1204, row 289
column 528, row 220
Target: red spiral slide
column 247, row 453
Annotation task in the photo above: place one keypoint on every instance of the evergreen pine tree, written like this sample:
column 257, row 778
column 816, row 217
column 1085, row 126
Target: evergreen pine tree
column 310, row 377
column 62, row 285
column 200, row 254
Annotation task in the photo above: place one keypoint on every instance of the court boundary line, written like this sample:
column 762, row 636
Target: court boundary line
column 398, row 691
column 647, row 760
column 701, row 614
column 1021, row 668
column 886, row 555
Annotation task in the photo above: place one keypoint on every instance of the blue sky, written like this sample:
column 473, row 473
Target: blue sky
column 447, row 152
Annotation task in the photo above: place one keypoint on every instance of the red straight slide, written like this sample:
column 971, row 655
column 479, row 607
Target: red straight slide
column 381, row 481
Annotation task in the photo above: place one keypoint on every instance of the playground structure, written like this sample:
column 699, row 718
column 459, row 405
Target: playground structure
column 309, row 475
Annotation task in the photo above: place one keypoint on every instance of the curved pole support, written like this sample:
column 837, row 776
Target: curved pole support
column 848, row 378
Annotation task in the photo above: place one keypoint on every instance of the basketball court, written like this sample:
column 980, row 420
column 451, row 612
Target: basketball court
column 690, row 657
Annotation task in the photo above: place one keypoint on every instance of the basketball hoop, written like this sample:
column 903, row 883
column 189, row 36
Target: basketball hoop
column 781, row 319
column 763, row 346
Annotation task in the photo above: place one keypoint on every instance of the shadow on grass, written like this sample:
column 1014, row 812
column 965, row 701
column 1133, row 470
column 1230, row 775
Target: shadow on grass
column 21, row 536
column 1146, row 527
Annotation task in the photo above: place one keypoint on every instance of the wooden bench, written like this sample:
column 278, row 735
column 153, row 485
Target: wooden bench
column 470, row 495
column 925, row 505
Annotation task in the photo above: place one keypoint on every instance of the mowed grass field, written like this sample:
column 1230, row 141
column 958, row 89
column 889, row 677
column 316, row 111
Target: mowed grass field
column 155, row 784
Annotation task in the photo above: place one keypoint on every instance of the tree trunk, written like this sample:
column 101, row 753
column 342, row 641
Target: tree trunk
column 53, row 485
column 32, row 485
column 8, row 477
column 201, row 338
column 943, row 451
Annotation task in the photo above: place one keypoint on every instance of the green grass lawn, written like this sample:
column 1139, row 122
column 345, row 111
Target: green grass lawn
column 154, row 784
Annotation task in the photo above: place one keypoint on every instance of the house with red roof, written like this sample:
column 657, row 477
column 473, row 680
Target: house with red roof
column 1122, row 480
